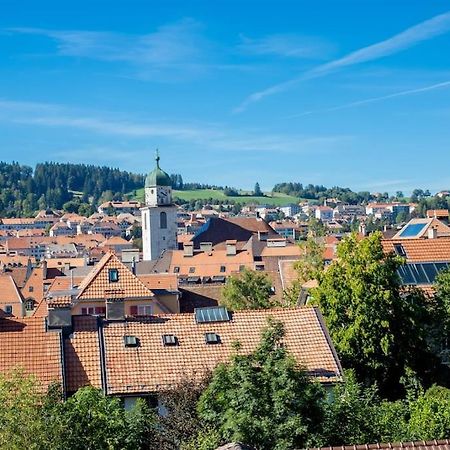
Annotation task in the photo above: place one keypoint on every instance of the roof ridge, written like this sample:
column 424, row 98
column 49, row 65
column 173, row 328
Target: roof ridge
column 90, row 277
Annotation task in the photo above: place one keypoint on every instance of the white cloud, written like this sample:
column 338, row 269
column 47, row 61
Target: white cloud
column 205, row 136
column 286, row 45
column 406, row 39
column 168, row 45
column 366, row 101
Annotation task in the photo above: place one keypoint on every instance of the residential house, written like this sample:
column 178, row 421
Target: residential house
column 11, row 301
column 324, row 213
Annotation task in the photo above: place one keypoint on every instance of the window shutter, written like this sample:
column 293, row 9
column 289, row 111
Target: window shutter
column 133, row 310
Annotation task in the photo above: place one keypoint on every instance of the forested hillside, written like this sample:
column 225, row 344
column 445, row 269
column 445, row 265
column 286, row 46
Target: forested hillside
column 51, row 185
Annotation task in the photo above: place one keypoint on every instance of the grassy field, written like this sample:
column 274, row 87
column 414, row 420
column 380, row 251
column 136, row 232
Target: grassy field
column 275, row 199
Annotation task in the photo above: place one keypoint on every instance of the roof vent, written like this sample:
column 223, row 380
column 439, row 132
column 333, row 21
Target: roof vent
column 131, row 341
column 211, row 314
column 212, row 338
column 169, row 340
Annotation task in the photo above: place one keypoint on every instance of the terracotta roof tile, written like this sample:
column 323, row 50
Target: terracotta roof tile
column 443, row 444
column 152, row 366
column 82, row 354
column 421, row 250
column 209, row 264
column 26, row 344
column 160, row 281
column 97, row 286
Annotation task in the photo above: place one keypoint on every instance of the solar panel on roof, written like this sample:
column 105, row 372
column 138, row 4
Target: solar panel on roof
column 421, row 273
column 406, row 275
column 413, row 230
column 211, row 314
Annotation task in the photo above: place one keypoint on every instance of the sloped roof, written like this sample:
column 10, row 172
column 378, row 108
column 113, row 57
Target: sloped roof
column 82, row 354
column 218, row 230
column 421, row 250
column 152, row 366
column 210, row 263
column 27, row 345
column 418, row 228
column 442, row 444
column 96, row 285
column 8, row 290
column 167, row 281
column 288, row 274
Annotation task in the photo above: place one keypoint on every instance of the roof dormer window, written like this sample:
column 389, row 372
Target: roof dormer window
column 113, row 275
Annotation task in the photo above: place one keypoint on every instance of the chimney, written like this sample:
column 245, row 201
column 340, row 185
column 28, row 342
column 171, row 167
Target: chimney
column 262, row 235
column 432, row 233
column 206, row 247
column 231, row 247
column 188, row 249
column 133, row 266
column 362, row 229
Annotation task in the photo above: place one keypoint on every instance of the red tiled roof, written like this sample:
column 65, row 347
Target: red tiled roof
column 160, row 281
column 152, row 366
column 26, row 344
column 82, row 354
column 442, row 444
column 421, row 250
column 97, row 286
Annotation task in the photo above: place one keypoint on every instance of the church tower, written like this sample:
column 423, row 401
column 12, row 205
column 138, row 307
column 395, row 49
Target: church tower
column 159, row 215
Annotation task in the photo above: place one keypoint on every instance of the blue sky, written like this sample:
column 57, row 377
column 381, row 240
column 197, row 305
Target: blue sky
column 350, row 93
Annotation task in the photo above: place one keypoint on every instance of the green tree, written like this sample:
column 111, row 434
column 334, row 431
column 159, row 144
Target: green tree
column 21, row 424
column 257, row 191
column 356, row 415
column 316, row 228
column 180, row 426
column 379, row 329
column 430, row 415
column 307, row 268
column 264, row 399
column 248, row 290
column 92, row 420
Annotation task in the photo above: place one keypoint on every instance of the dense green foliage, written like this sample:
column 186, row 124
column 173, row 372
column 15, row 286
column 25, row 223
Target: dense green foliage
column 52, row 185
column 307, row 268
column 379, row 329
column 321, row 192
column 264, row 399
column 248, row 290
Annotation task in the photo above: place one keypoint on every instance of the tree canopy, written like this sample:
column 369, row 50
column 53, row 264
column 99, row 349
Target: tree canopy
column 248, row 290
column 379, row 329
column 263, row 399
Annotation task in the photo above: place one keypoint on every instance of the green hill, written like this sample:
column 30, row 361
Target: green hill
column 271, row 198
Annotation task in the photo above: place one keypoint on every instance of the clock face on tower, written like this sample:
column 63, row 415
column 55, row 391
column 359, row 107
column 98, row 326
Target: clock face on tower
column 163, row 196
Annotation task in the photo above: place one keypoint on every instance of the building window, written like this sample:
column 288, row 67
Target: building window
column 29, row 304
column 31, row 289
column 113, row 275
column 223, row 269
column 191, row 269
column 8, row 309
column 176, row 269
column 163, row 220
column 141, row 310
column 93, row 311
